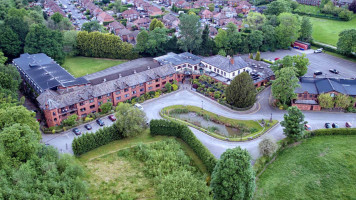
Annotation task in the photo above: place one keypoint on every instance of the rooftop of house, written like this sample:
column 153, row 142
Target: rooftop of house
column 105, row 17
column 178, row 59
column 45, row 72
column 130, row 12
column 225, row 63
column 324, row 85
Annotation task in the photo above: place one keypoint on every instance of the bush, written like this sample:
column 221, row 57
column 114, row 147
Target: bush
column 168, row 87
column 164, row 127
column 106, row 107
column 175, row 87
column 151, row 93
column 70, row 121
column 334, row 131
column 90, row 141
column 345, row 15
column 267, row 147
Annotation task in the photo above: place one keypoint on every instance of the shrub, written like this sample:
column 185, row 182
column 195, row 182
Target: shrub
column 151, row 93
column 267, row 147
column 106, row 107
column 175, row 87
column 70, row 121
column 168, row 87
column 334, row 131
column 164, row 127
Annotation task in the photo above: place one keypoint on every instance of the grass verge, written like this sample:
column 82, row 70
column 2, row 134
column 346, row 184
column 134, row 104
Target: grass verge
column 318, row 168
column 81, row 66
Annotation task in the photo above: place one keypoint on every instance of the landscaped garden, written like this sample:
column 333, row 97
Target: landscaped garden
column 317, row 168
column 81, row 66
column 218, row 126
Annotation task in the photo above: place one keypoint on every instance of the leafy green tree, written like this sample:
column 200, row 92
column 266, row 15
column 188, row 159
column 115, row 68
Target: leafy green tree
column 141, row 41
column 70, row 42
column 63, row 24
column 56, row 17
column 168, row 87
column 293, row 123
column 20, row 142
column 131, row 121
column 70, row 121
column 255, row 20
column 117, row 6
column 255, row 39
column 106, row 107
column 284, row 85
column 278, row 7
column 190, row 32
column 92, row 26
column 347, row 42
column 288, row 29
column 222, row 52
column 9, row 81
column 207, row 44
column 342, row 101
column 258, row 56
column 172, row 45
column 10, row 43
column 211, row 7
column 241, row 92
column 306, row 30
column 326, row 101
column 40, row 39
column 345, row 15
column 234, row 37
column 3, row 59
column 221, row 40
column 152, row 24
column 18, row 25
column 301, row 64
column 233, row 176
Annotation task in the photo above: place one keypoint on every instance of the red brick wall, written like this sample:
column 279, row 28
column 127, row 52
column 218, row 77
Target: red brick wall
column 307, row 106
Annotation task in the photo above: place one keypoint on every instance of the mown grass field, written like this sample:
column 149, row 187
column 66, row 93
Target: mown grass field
column 113, row 177
column 81, row 66
column 319, row 168
column 327, row 31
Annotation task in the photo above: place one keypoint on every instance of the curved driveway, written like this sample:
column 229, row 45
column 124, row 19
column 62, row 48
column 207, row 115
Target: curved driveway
column 216, row 146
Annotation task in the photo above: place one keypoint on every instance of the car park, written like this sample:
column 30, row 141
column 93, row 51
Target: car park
column 318, row 50
column 112, row 118
column 138, row 106
column 327, row 125
column 100, row 122
column 76, row 131
column 335, row 125
column 334, row 71
column 307, row 127
column 348, row 125
column 318, row 73
column 88, row 126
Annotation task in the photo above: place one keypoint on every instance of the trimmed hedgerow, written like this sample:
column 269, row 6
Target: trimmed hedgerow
column 334, row 131
column 169, row 128
column 90, row 141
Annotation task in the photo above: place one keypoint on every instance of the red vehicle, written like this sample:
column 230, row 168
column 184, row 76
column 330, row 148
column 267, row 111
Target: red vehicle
column 276, row 59
column 112, row 118
column 301, row 45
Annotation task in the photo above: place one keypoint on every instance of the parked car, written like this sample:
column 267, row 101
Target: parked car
column 335, row 125
column 138, row 106
column 318, row 50
column 76, row 131
column 277, row 59
column 88, row 126
column 100, row 122
column 334, row 71
column 327, row 125
column 307, row 127
column 112, row 118
column 348, row 125
column 318, row 73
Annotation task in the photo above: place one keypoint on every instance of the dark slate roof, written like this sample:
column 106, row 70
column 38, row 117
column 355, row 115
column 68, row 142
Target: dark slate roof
column 45, row 72
column 224, row 63
column 61, row 98
column 178, row 59
column 325, row 85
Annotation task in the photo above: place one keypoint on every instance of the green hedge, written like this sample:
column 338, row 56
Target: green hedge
column 90, row 141
column 168, row 128
column 319, row 16
column 333, row 131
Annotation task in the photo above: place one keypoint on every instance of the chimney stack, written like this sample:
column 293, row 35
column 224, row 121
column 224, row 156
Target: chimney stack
column 232, row 60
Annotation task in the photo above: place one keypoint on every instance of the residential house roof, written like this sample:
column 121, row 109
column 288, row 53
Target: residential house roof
column 105, row 17
column 130, row 12
column 225, row 63
column 153, row 10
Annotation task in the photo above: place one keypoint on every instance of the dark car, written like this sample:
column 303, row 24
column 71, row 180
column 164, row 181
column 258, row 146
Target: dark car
column 334, row 71
column 76, row 131
column 348, row 125
column 112, row 118
column 318, row 73
column 327, row 125
column 335, row 125
column 88, row 126
column 100, row 122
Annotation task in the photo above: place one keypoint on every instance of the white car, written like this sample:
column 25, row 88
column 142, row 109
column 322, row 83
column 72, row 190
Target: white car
column 138, row 106
column 318, row 50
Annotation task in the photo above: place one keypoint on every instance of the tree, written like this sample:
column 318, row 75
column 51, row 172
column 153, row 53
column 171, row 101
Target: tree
column 156, row 42
column 293, row 123
column 352, row 6
column 255, row 20
column 152, row 24
column 241, row 92
column 306, row 30
column 347, row 42
column 9, row 81
column 345, row 15
column 70, row 42
column 168, row 87
column 221, row 40
column 142, row 39
column 56, row 17
column 233, row 176
column 258, row 56
column 105, row 1
column 342, row 101
column 255, row 39
column 117, row 6
column 3, row 59
column 106, row 107
column 301, row 64
column 267, row 147
column 131, row 121
column 288, row 29
column 40, row 39
column 222, row 52
column 278, row 7
column 92, row 26
column 70, row 121
column 190, row 33
column 9, row 42
column 325, row 100
column 211, row 7
column 207, row 44
column 234, row 37
column 284, row 85
column 20, row 142
column 64, row 24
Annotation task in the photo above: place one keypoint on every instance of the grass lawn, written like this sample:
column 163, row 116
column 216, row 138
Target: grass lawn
column 81, row 66
column 113, row 177
column 327, row 31
column 322, row 167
